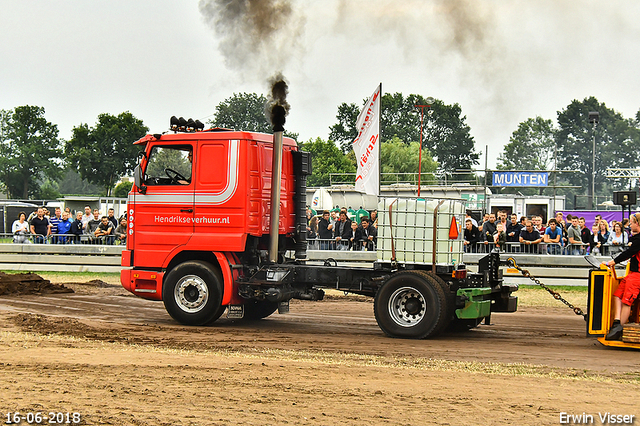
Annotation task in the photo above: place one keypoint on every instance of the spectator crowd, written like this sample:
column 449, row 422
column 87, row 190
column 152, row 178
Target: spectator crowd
column 89, row 227
column 558, row 236
column 342, row 229
column 345, row 229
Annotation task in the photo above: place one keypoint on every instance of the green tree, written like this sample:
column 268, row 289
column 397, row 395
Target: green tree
column 242, row 111
column 616, row 141
column 122, row 189
column 400, row 117
column 72, row 184
column 103, row 153
column 245, row 111
column 399, row 159
column 530, row 147
column 344, row 131
column 444, row 130
column 448, row 137
column 48, row 190
column 29, row 150
column 5, row 116
column 326, row 158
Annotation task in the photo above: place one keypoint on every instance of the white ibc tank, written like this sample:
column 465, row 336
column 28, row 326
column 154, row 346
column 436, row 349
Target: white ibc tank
column 409, row 224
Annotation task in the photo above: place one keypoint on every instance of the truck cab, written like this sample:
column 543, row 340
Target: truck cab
column 203, row 196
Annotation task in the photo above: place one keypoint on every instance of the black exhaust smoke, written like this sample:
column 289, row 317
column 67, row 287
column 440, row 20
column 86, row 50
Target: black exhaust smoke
column 256, row 37
column 277, row 118
column 277, row 107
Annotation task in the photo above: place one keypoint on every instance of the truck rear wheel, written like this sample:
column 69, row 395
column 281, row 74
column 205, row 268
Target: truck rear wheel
column 258, row 309
column 192, row 293
column 411, row 305
column 449, row 296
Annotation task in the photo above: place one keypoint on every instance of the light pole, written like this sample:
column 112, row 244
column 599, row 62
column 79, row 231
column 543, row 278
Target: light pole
column 594, row 118
column 430, row 102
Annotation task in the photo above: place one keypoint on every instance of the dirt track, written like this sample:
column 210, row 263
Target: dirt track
column 117, row 359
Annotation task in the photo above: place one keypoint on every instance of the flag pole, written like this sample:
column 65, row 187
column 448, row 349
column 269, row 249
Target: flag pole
column 379, row 143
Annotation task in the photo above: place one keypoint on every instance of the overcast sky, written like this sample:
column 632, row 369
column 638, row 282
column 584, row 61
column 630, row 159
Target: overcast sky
column 502, row 61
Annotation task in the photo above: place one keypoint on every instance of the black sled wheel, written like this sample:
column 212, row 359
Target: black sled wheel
column 258, row 309
column 192, row 293
column 412, row 305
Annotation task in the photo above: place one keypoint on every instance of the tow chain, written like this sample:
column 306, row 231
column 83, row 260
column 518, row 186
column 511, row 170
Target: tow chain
column 555, row 294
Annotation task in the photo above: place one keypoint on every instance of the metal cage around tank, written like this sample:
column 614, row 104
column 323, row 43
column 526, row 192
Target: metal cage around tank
column 420, row 230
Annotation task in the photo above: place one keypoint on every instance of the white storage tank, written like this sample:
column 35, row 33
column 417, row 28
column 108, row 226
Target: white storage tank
column 406, row 226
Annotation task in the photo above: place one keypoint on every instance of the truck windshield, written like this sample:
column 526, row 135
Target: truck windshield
column 169, row 165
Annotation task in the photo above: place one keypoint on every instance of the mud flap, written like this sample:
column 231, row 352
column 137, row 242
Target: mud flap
column 283, row 307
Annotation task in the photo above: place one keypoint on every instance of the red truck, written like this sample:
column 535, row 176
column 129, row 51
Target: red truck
column 202, row 238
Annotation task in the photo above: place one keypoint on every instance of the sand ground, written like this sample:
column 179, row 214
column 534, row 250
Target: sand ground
column 119, row 360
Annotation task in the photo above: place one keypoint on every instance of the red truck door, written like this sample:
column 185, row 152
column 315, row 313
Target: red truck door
column 164, row 214
column 220, row 207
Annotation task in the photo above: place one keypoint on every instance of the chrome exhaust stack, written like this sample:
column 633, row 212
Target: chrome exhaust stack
column 276, row 184
column 277, row 110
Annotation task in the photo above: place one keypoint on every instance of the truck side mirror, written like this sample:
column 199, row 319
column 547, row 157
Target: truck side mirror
column 137, row 179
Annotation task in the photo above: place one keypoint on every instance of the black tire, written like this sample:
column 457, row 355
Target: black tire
column 258, row 309
column 412, row 305
column 454, row 324
column 192, row 293
column 449, row 296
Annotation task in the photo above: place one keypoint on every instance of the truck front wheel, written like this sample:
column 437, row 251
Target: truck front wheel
column 411, row 305
column 192, row 293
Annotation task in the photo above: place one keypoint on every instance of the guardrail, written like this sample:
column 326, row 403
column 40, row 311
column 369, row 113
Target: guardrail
column 567, row 270
column 563, row 270
column 59, row 257
column 551, row 269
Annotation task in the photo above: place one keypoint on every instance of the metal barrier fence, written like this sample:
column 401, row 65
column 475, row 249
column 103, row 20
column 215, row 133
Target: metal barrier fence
column 60, row 239
column 342, row 245
column 544, row 249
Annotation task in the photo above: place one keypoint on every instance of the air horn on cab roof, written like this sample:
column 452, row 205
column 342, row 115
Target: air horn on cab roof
column 182, row 125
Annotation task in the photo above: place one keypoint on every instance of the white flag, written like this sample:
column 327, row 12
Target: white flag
column 367, row 146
